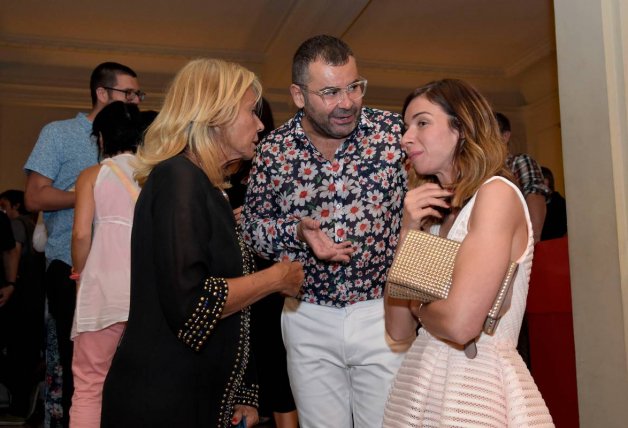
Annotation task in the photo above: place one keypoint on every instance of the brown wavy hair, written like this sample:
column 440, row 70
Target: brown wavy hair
column 480, row 152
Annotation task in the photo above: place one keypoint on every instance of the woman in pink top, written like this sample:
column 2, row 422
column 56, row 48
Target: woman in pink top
column 101, row 242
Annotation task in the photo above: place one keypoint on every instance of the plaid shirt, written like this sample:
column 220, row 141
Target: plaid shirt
column 528, row 174
column 357, row 196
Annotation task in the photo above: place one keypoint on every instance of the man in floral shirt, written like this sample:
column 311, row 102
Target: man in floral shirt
column 326, row 189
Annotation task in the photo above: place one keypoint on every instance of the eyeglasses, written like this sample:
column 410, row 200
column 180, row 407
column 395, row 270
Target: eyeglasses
column 130, row 94
column 333, row 96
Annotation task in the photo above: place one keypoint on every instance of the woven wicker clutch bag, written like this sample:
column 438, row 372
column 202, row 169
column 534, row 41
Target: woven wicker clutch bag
column 423, row 268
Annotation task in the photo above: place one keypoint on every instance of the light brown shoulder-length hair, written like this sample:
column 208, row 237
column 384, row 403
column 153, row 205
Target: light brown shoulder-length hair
column 202, row 100
column 480, row 152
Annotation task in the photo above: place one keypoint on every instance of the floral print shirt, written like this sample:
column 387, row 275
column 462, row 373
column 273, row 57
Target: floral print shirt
column 357, row 196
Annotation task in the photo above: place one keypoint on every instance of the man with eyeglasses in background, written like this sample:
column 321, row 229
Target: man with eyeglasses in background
column 63, row 149
column 326, row 188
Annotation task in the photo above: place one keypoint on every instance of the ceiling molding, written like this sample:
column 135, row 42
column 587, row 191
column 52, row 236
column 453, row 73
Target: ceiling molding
column 44, row 96
column 528, row 59
column 58, row 97
column 416, row 68
column 551, row 98
column 97, row 47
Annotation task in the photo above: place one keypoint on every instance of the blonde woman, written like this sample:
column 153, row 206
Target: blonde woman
column 453, row 143
column 184, row 359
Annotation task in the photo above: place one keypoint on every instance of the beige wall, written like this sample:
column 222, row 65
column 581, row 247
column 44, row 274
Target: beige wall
column 542, row 120
column 19, row 129
column 541, row 116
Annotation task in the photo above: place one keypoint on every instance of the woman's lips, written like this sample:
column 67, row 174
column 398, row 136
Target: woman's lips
column 412, row 155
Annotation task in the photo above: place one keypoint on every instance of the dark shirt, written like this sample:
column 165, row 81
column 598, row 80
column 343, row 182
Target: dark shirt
column 357, row 196
column 7, row 242
column 555, row 225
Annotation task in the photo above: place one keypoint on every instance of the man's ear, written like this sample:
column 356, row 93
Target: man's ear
column 102, row 95
column 297, row 95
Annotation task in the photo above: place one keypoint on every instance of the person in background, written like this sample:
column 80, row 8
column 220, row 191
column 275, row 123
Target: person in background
column 8, row 277
column 12, row 204
column 326, row 189
column 555, row 225
column 528, row 173
column 101, row 256
column 8, row 270
column 184, row 359
column 63, row 149
column 453, row 143
column 8, row 266
column 24, row 312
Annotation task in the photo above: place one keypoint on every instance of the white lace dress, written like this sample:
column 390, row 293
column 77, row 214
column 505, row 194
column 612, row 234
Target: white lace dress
column 438, row 386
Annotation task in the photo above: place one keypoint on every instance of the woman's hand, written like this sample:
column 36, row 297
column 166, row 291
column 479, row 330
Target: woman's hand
column 241, row 411
column 284, row 277
column 423, row 202
column 237, row 213
column 290, row 277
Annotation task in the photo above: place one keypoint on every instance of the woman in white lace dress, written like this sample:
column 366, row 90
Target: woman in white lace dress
column 453, row 144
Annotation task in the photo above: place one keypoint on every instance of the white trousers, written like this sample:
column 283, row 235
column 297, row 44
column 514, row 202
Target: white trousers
column 339, row 363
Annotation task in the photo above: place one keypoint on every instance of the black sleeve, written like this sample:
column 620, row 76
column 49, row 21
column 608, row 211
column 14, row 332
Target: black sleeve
column 184, row 215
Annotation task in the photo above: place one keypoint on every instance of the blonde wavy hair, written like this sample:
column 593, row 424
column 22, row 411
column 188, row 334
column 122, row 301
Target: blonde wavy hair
column 203, row 99
column 480, row 152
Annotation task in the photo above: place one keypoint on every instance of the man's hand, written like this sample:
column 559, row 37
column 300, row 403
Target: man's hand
column 309, row 231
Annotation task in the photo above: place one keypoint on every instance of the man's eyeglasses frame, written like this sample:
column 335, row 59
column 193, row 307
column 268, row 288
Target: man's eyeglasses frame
column 129, row 94
column 333, row 96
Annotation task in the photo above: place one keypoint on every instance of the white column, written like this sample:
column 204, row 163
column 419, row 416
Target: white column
column 592, row 51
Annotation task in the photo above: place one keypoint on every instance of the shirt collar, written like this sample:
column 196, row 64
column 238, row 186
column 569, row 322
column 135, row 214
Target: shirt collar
column 84, row 121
